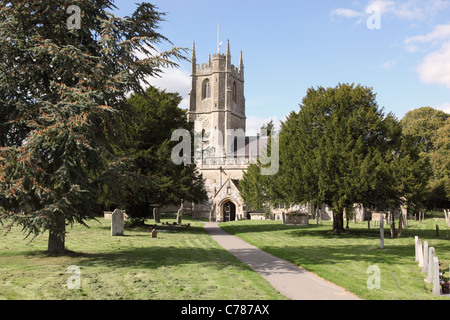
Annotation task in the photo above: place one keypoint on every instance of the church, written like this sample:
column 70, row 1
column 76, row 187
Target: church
column 217, row 107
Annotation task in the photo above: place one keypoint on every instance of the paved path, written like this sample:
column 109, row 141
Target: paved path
column 293, row 282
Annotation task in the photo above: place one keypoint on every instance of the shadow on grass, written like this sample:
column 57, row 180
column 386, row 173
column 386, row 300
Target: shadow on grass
column 157, row 257
column 322, row 246
column 325, row 231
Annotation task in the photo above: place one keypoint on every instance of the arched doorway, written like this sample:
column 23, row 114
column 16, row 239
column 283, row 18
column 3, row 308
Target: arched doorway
column 229, row 211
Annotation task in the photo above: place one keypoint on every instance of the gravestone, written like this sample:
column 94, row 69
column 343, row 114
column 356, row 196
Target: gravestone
column 283, row 217
column 381, row 232
column 436, row 282
column 154, row 233
column 420, row 253
column 156, row 215
column 117, row 223
column 431, row 255
column 416, row 243
column 179, row 216
column 425, row 256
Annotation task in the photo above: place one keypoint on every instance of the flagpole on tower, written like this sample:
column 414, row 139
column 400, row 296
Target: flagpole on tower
column 218, row 45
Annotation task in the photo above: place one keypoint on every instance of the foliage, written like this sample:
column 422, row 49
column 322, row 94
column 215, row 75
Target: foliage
column 340, row 149
column 62, row 90
column 259, row 191
column 429, row 129
column 152, row 177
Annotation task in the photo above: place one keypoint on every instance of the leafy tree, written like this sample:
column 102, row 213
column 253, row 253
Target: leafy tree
column 66, row 86
column 147, row 145
column 340, row 149
column 428, row 129
column 259, row 190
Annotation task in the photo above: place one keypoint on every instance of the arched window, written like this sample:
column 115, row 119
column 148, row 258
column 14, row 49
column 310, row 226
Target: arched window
column 234, row 92
column 206, row 89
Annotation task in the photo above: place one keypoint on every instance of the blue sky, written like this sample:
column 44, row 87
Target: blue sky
column 290, row 46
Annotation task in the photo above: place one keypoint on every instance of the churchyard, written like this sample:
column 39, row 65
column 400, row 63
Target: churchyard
column 179, row 264
column 354, row 260
column 186, row 264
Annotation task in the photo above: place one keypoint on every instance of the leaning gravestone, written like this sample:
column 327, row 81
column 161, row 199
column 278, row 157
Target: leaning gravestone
column 117, row 223
column 179, row 216
column 156, row 215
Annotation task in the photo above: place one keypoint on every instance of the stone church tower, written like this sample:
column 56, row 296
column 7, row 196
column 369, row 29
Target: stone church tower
column 217, row 94
column 217, row 107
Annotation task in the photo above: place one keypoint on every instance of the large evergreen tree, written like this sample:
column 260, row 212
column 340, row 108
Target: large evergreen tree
column 150, row 176
column 428, row 130
column 62, row 88
column 340, row 149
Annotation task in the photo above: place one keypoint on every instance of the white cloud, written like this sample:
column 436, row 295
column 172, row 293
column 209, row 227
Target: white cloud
column 388, row 65
column 435, row 68
column 407, row 9
column 444, row 107
column 346, row 13
column 411, row 9
column 170, row 79
column 383, row 5
column 174, row 80
column 439, row 33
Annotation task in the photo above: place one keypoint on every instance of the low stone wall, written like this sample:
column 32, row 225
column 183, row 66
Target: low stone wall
column 108, row 215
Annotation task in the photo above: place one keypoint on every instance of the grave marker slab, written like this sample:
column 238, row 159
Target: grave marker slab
column 117, row 223
column 436, row 282
column 156, row 215
column 416, row 244
column 425, row 256
column 420, row 252
column 431, row 255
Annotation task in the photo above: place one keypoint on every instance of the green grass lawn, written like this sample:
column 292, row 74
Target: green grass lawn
column 178, row 265
column 344, row 259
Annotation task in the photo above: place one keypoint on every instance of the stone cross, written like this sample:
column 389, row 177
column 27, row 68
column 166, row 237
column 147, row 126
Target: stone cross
column 431, row 255
column 436, row 282
column 425, row 256
column 381, row 232
column 156, row 215
column 117, row 223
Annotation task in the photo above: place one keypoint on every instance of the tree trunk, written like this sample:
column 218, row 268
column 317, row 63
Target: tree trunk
column 400, row 224
column 391, row 215
column 57, row 234
column 338, row 222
